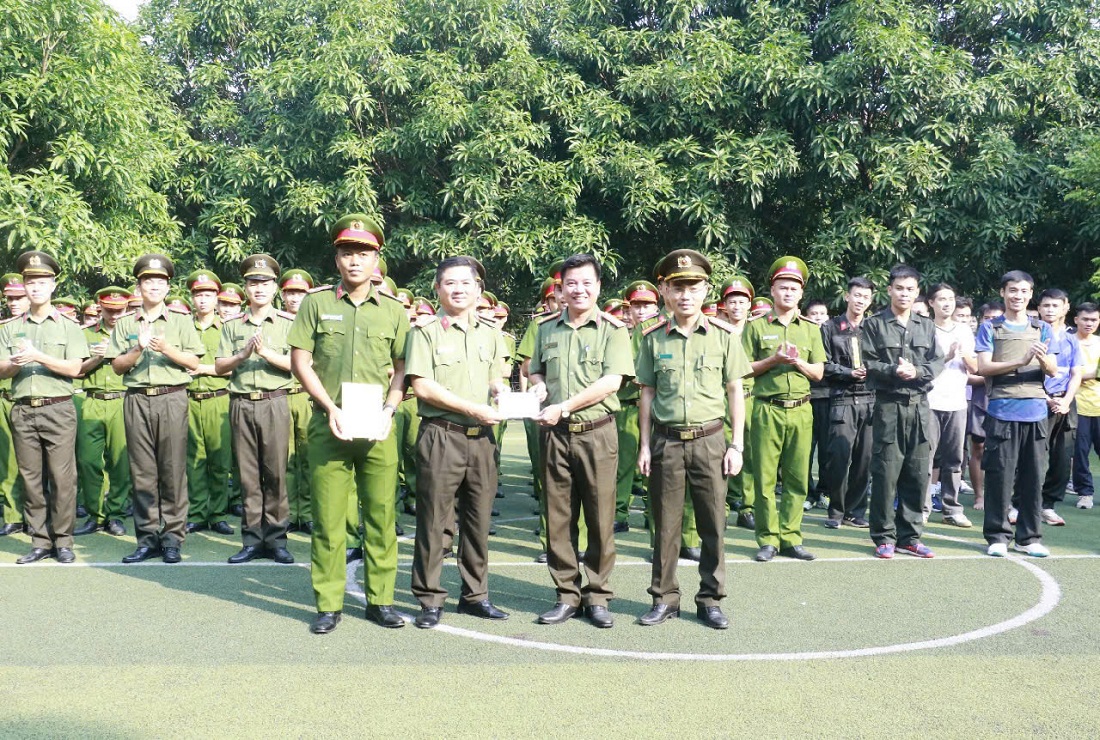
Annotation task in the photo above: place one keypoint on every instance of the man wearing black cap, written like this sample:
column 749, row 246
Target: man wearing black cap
column 42, row 352
column 153, row 349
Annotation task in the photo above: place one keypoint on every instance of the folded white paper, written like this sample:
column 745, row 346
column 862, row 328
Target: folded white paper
column 518, row 405
column 361, row 404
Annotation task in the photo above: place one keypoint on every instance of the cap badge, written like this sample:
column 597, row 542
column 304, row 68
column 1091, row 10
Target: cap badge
column 34, row 261
column 261, row 264
column 792, row 265
column 683, row 261
column 357, row 225
column 154, row 264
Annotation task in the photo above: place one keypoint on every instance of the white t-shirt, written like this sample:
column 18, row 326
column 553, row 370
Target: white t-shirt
column 948, row 391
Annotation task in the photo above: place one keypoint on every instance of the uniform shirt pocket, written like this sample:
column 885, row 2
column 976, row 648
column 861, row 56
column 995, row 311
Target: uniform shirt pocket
column 330, row 339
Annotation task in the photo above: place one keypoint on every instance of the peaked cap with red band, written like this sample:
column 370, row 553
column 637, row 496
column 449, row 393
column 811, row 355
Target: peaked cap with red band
column 357, row 228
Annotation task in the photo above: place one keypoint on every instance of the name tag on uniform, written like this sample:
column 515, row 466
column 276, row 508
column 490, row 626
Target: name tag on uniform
column 332, row 317
column 443, row 350
column 132, row 337
column 550, row 345
column 768, row 337
column 664, row 356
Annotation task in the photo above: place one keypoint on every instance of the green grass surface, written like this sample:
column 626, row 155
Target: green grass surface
column 212, row 650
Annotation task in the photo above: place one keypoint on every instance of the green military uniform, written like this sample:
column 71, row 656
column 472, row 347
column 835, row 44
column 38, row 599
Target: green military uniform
column 153, row 411
column 101, row 459
column 209, row 449
column 43, row 418
column 260, row 420
column 626, row 420
column 11, row 484
column 301, row 409
column 351, row 343
column 524, row 351
column 781, row 426
column 576, row 453
column 455, row 454
column 740, row 496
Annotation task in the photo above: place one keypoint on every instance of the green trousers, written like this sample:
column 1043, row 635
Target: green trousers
column 297, row 467
column 406, row 427
column 102, row 462
column 369, row 469
column 626, row 421
column 11, row 483
column 740, row 493
column 780, row 439
column 209, row 459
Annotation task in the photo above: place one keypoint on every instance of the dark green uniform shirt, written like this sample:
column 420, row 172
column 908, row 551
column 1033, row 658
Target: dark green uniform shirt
column 762, row 337
column 153, row 368
column 55, row 336
column 256, row 373
column 690, row 370
column 103, row 379
column 885, row 340
column 462, row 359
column 349, row 343
column 211, row 339
column 573, row 359
column 526, row 348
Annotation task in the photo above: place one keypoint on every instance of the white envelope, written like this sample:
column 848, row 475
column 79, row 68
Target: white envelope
column 361, row 404
column 518, row 405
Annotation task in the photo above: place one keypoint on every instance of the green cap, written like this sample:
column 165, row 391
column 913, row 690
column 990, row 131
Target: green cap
column 12, row 285
column 37, row 264
column 737, row 284
column 684, row 264
column 231, row 293
column 154, row 265
column 259, row 267
column 641, row 291
column 789, row 267
column 203, row 280
column 357, row 229
column 295, row 279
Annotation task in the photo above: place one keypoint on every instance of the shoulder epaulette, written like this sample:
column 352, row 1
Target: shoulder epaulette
column 392, row 298
column 423, row 320
column 238, row 317
column 8, row 320
column 286, row 315
column 90, row 325
column 548, row 317
column 655, row 326
column 73, row 319
column 319, row 289
column 612, row 320
column 173, row 309
column 723, row 325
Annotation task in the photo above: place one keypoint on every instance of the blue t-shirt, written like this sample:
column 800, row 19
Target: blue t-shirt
column 1012, row 409
column 1067, row 351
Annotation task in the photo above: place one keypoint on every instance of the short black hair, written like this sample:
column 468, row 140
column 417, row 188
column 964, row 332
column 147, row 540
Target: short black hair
column 964, row 301
column 922, row 298
column 1056, row 293
column 1088, row 307
column 460, row 261
column 937, row 288
column 860, row 282
column 1017, row 276
column 991, row 306
column 815, row 302
column 580, row 260
column 904, row 272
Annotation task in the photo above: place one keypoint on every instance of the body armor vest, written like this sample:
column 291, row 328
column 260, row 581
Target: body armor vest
column 1012, row 346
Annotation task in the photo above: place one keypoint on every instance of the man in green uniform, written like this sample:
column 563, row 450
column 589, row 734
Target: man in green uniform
column 902, row 358
column 580, row 360
column 294, row 283
column 11, row 484
column 455, row 363
column 736, row 298
column 406, row 425
column 786, row 354
column 42, row 352
column 154, row 351
column 230, row 301
column 689, row 368
column 209, row 454
column 352, row 334
column 101, row 434
column 254, row 353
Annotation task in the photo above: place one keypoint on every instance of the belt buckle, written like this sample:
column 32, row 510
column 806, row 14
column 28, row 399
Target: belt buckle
column 473, row 431
column 37, row 402
column 686, row 435
column 152, row 391
column 576, row 428
column 255, row 396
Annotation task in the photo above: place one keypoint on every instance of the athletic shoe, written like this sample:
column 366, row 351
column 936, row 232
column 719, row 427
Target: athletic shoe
column 832, row 523
column 965, row 487
column 1084, row 502
column 1035, row 549
column 925, row 515
column 1013, row 514
column 1050, row 516
column 917, row 549
column 959, row 520
column 856, row 521
column 937, row 502
column 807, row 505
column 1070, row 488
column 885, row 551
column 997, row 550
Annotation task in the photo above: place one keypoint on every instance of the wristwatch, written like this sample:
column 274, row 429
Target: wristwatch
column 564, row 412
column 736, row 447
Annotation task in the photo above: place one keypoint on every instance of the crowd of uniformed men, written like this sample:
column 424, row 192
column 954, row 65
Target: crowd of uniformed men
column 708, row 410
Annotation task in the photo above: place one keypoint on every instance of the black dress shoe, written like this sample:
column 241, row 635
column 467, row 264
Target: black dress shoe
column 222, row 528
column 712, row 616
column 386, row 616
column 448, row 554
column 495, row 512
column 38, row 553
column 193, row 527
column 115, row 528
column 324, row 623
column 857, row 522
column 140, row 554
column 410, row 507
column 492, row 530
column 766, row 553
column 832, row 523
column 798, row 552
column 11, row 528
column 171, row 555
column 659, row 613
column 559, row 614
column 281, row 555
column 429, row 617
column 621, row 527
column 746, row 520
column 691, row 553
column 88, row 527
column 65, row 555
column 238, row 510
column 541, row 558
column 353, row 554
column 398, row 529
column 247, row 553
column 500, row 493
column 483, row 609
column 81, row 512
column 599, row 616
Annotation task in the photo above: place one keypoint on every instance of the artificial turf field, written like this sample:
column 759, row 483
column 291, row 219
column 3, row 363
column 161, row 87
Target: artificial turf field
column 961, row 645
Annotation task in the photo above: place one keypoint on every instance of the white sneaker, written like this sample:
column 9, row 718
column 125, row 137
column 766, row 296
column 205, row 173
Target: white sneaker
column 1084, row 502
column 959, row 520
column 997, row 550
column 1013, row 514
column 1050, row 516
column 1035, row 549
column 965, row 487
column 1070, row 488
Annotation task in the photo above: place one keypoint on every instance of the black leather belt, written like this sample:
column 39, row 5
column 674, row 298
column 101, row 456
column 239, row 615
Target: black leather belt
column 100, row 396
column 157, row 390
column 1060, row 394
column 263, row 395
column 475, row 432
column 688, row 433
column 784, row 403
column 579, row 427
column 206, row 395
column 40, row 401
